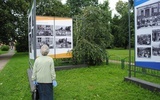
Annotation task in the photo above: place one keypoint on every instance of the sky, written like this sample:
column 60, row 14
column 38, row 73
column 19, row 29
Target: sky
column 112, row 4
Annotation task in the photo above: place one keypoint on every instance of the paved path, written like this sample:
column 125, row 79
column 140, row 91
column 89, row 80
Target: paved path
column 4, row 58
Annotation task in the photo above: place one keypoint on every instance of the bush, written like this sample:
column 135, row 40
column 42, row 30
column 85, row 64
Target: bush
column 22, row 44
column 4, row 48
column 21, row 47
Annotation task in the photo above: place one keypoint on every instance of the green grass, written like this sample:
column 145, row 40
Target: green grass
column 13, row 78
column 2, row 52
column 99, row 83
column 103, row 82
column 120, row 54
column 123, row 53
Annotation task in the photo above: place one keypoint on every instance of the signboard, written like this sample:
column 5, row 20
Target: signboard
column 56, row 32
column 147, row 33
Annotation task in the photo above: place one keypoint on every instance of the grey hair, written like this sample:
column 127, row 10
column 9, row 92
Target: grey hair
column 44, row 50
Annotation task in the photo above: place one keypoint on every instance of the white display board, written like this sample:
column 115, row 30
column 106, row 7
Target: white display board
column 147, row 33
column 56, row 32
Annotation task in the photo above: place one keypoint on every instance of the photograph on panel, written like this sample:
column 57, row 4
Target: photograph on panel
column 156, row 35
column 44, row 40
column 144, row 39
column 44, row 30
column 63, row 30
column 63, row 42
column 148, row 16
column 144, row 52
column 156, row 50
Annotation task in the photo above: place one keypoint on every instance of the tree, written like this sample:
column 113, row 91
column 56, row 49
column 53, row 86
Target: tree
column 14, row 22
column 131, row 3
column 122, row 7
column 106, row 14
column 91, row 35
column 76, row 6
column 120, row 25
column 7, row 25
column 115, row 30
column 52, row 8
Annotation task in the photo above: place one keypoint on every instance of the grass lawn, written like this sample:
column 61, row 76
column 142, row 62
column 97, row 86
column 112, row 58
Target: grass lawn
column 103, row 82
column 3, row 52
column 120, row 54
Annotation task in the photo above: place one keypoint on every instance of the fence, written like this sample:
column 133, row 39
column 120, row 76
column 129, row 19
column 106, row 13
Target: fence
column 134, row 69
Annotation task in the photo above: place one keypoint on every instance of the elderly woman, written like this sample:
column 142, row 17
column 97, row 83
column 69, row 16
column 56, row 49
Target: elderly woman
column 44, row 74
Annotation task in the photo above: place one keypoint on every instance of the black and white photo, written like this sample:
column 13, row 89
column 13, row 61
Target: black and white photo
column 144, row 52
column 156, row 50
column 63, row 43
column 63, row 30
column 44, row 40
column 156, row 35
column 44, row 30
column 148, row 15
column 144, row 39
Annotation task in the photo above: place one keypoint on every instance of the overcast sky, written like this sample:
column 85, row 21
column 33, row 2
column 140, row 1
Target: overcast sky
column 112, row 4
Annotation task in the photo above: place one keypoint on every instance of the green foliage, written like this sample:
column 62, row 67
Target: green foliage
column 21, row 47
column 76, row 6
column 91, row 35
column 14, row 11
column 52, row 8
column 7, row 23
column 131, row 3
column 122, row 7
column 120, row 26
column 15, row 22
column 4, row 48
column 90, row 83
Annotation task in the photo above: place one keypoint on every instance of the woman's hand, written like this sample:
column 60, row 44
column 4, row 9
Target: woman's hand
column 54, row 83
